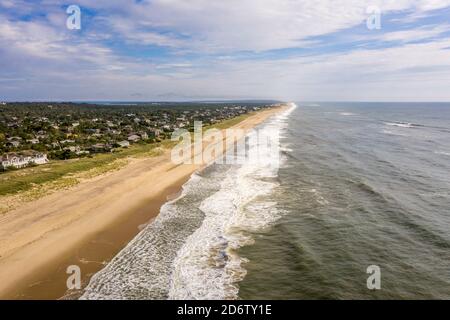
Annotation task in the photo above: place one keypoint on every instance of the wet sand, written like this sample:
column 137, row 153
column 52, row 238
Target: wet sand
column 86, row 225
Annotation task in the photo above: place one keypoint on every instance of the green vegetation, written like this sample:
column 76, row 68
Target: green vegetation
column 229, row 123
column 69, row 130
column 15, row 181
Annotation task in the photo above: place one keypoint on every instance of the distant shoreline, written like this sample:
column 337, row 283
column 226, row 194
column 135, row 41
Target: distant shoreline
column 154, row 102
column 88, row 224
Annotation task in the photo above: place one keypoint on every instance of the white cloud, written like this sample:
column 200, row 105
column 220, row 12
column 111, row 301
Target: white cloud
column 417, row 34
column 234, row 25
column 60, row 64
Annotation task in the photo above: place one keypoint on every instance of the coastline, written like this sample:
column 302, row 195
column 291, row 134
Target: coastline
column 88, row 224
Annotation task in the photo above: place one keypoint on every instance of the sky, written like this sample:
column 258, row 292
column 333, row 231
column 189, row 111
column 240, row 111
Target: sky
column 290, row 50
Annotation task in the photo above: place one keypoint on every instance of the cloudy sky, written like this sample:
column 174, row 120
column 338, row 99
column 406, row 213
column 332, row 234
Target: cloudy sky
column 302, row 50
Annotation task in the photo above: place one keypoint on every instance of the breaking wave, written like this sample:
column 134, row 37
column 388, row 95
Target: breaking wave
column 403, row 124
column 207, row 266
column 189, row 250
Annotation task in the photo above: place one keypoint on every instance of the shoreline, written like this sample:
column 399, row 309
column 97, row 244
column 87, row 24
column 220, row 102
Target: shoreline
column 41, row 238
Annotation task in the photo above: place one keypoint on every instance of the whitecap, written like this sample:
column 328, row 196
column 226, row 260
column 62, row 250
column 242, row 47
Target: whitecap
column 402, row 124
column 442, row 153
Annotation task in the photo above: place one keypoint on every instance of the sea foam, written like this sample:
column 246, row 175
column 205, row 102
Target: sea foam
column 190, row 250
column 208, row 265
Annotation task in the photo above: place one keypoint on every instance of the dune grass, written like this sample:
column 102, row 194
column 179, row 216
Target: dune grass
column 230, row 122
column 15, row 181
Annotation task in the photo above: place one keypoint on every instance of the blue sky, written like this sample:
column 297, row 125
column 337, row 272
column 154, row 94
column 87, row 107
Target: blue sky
column 302, row 50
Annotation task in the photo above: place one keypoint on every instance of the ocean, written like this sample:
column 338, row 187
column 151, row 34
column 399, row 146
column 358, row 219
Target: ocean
column 355, row 185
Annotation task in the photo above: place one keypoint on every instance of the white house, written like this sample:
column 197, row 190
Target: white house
column 74, row 149
column 134, row 138
column 124, row 144
column 155, row 132
column 15, row 143
column 39, row 158
column 67, row 141
column 21, row 161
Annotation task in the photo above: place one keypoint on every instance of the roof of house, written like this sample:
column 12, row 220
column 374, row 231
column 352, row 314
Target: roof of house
column 134, row 137
column 22, row 154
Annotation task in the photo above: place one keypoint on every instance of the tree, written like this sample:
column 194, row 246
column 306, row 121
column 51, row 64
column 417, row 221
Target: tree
column 62, row 155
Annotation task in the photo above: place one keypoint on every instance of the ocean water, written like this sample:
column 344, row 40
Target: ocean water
column 354, row 185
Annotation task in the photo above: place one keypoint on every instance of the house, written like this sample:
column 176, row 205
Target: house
column 67, row 141
column 77, row 150
column 74, row 149
column 123, row 144
column 14, row 143
column 155, row 132
column 100, row 147
column 41, row 136
column 97, row 135
column 20, row 161
column 13, row 160
column 33, row 141
column 134, row 138
column 40, row 158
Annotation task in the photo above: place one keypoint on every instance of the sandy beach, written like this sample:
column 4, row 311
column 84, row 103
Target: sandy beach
column 87, row 224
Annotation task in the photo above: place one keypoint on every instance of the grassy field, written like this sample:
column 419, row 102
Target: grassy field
column 38, row 180
column 15, row 181
column 229, row 123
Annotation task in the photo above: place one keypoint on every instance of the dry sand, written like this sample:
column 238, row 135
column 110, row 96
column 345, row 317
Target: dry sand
column 86, row 225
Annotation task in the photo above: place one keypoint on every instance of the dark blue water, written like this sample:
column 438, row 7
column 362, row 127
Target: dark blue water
column 362, row 184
